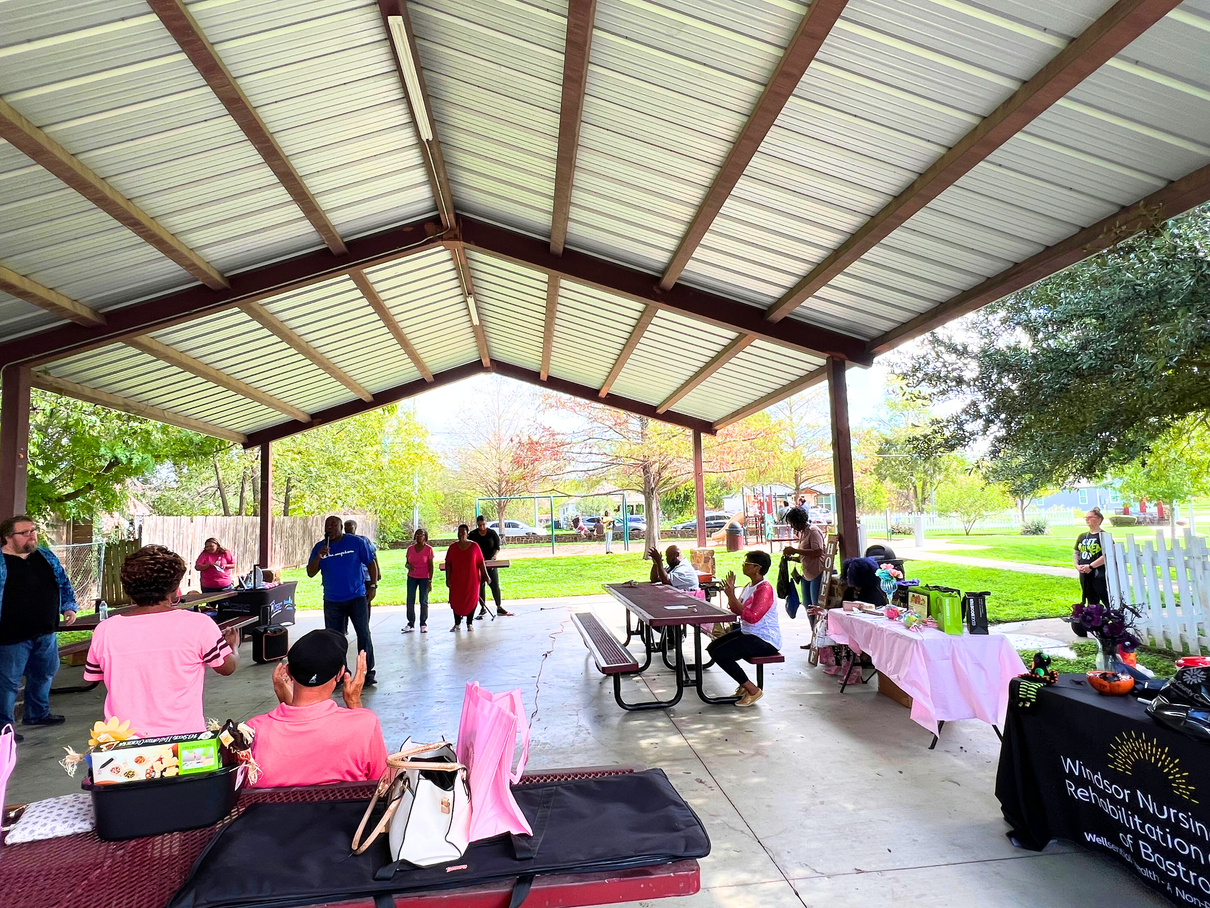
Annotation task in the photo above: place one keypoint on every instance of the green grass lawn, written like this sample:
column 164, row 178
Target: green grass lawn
column 1162, row 662
column 1053, row 549
column 1015, row 596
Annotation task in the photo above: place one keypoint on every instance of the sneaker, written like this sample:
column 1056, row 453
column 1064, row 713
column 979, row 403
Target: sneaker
column 739, row 691
column 454, row 628
column 424, row 628
column 482, row 613
column 503, row 613
column 408, row 629
column 48, row 719
column 749, row 699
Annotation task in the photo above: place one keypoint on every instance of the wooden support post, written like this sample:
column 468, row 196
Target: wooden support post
column 265, row 550
column 699, row 489
column 14, row 438
column 842, row 459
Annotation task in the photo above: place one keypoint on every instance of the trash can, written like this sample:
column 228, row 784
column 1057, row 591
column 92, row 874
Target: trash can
column 735, row 537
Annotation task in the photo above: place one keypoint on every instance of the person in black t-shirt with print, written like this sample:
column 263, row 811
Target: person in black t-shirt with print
column 488, row 541
column 1089, row 557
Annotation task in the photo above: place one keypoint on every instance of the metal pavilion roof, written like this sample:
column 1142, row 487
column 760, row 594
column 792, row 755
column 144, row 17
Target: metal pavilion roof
column 250, row 218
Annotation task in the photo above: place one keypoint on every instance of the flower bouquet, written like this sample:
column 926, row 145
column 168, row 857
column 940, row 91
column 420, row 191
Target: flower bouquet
column 1112, row 628
column 888, row 575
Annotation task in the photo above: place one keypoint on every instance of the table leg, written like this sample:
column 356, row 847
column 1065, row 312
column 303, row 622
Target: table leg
column 644, row 633
column 996, row 729
column 653, row 704
column 937, row 737
column 699, row 678
column 631, row 633
column 844, row 672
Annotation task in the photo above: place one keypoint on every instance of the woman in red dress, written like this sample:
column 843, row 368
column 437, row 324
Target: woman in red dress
column 464, row 570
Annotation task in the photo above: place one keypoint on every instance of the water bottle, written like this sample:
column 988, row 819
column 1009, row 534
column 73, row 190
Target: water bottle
column 102, row 610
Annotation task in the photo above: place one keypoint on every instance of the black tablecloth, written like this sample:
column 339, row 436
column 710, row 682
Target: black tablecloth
column 274, row 604
column 1098, row 771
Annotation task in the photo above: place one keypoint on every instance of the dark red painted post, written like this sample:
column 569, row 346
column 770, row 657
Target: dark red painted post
column 842, row 459
column 266, row 505
column 14, row 438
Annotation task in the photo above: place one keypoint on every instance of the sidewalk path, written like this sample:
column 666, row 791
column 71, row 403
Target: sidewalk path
column 911, row 553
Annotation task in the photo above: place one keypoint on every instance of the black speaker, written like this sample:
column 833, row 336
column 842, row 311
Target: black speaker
column 269, row 643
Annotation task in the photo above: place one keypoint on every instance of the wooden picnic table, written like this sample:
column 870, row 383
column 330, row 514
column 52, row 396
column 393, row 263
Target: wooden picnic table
column 494, row 563
column 145, row 873
column 189, row 600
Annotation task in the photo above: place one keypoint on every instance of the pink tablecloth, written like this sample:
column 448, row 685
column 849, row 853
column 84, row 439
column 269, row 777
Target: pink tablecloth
column 947, row 676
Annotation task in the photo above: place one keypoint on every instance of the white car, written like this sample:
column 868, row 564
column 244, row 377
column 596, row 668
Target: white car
column 820, row 515
column 515, row 528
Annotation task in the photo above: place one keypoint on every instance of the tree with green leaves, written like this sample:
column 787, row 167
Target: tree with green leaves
column 1088, row 369
column 803, row 432
column 1176, row 467
column 914, row 452
column 1021, row 476
column 968, row 496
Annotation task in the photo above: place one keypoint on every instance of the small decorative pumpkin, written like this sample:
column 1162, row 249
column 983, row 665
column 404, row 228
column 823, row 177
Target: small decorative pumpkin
column 1113, row 684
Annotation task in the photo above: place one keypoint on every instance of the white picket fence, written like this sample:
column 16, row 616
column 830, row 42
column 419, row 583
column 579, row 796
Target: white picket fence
column 875, row 525
column 1169, row 583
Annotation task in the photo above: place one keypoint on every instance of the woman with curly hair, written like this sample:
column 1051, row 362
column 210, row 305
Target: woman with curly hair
column 153, row 657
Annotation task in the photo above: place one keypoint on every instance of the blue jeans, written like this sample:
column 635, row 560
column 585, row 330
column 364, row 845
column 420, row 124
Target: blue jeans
column 38, row 661
column 337, row 616
column 418, row 585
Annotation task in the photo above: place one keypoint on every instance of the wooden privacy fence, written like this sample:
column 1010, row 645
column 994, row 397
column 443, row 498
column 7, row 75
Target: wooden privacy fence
column 293, row 538
column 1168, row 582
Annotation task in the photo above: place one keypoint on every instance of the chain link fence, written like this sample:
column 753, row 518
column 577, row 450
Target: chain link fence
column 82, row 562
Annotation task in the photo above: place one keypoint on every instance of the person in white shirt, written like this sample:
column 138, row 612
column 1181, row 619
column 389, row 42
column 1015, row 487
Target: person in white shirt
column 678, row 574
column 759, row 633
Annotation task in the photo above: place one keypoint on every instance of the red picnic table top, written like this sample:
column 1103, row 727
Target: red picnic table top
column 657, row 605
column 82, row 870
column 90, row 621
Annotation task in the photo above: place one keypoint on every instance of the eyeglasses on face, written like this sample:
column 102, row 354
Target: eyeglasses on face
column 30, row 532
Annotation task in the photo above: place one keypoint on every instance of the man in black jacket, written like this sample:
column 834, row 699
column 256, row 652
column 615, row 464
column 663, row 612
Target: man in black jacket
column 488, row 541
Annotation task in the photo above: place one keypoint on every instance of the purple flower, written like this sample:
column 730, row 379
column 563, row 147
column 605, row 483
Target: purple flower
column 1115, row 629
column 1129, row 643
column 1077, row 610
column 1089, row 620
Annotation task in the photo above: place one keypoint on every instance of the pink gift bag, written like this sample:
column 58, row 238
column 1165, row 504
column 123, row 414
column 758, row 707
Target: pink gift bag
column 487, row 742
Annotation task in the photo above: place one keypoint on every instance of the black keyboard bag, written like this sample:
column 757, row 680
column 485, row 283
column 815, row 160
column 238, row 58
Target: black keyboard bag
column 283, row 855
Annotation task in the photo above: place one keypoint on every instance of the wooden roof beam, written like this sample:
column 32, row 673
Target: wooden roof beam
column 812, row 31
column 284, row 332
column 23, row 135
column 577, row 48
column 164, row 353
column 201, row 53
column 720, row 359
column 636, row 335
column 1177, row 197
column 472, row 308
column 384, row 314
column 52, row 301
column 1100, row 42
column 398, row 24
column 807, row 381
column 548, row 328
column 134, row 407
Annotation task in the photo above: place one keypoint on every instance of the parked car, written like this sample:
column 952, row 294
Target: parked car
column 638, row 526
column 715, row 520
column 515, row 528
column 820, row 515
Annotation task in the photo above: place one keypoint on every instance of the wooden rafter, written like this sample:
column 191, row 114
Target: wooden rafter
column 201, row 53
column 812, row 31
column 134, row 407
column 283, row 332
column 807, row 381
column 636, row 335
column 1108, row 35
column 1177, row 197
column 398, row 24
column 23, row 135
column 384, row 314
column 548, row 329
column 720, row 359
column 472, row 307
column 51, row 300
column 576, row 50
column 164, row 353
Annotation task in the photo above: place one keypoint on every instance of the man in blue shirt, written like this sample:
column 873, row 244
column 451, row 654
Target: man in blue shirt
column 340, row 558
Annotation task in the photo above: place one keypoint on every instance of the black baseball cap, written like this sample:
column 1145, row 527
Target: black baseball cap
column 317, row 657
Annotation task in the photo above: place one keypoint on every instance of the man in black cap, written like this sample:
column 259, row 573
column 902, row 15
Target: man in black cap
column 308, row 739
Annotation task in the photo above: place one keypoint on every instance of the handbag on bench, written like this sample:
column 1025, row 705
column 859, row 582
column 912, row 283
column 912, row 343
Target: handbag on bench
column 428, row 806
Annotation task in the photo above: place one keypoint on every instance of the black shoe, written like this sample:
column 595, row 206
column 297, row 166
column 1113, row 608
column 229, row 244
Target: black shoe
column 48, row 719
column 503, row 613
column 482, row 614
column 371, row 680
column 18, row 737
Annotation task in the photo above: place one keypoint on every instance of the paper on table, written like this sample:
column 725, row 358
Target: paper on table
column 673, row 607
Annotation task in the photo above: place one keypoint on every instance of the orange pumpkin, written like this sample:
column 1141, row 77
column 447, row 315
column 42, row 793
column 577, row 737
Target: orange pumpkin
column 1112, row 683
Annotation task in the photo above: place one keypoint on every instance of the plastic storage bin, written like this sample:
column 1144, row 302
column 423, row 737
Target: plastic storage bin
column 137, row 809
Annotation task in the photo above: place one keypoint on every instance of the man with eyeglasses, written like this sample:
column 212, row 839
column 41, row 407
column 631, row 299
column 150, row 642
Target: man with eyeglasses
column 34, row 592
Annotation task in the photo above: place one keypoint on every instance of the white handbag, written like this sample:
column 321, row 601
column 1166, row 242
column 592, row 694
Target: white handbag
column 428, row 806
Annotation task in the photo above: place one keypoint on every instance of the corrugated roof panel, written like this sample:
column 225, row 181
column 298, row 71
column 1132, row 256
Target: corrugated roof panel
column 128, row 373
column 512, row 309
column 97, row 88
column 424, row 294
column 321, row 74
column 669, row 88
column 234, row 343
column 335, row 318
column 494, row 70
column 591, row 328
column 18, row 317
column 672, row 350
column 760, row 369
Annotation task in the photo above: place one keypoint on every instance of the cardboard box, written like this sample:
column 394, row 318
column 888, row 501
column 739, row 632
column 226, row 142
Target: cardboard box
column 889, row 688
column 140, row 759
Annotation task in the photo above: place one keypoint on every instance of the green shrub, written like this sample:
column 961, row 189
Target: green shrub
column 1123, row 520
column 1034, row 527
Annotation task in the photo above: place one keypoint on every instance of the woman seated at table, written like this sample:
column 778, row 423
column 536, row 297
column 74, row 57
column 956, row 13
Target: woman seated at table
column 759, row 633
column 153, row 657
column 214, row 566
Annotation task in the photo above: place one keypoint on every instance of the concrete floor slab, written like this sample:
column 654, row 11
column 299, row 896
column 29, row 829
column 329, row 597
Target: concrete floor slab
column 810, row 798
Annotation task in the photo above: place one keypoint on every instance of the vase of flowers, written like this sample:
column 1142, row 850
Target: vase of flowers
column 888, row 578
column 1112, row 628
